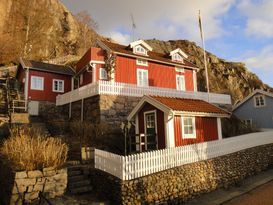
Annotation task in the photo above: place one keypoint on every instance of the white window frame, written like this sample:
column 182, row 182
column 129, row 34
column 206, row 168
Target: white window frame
column 180, row 69
column 257, row 98
column 145, row 126
column 188, row 136
column 176, row 58
column 142, row 52
column 183, row 88
column 138, row 80
column 142, row 62
column 32, row 83
column 58, row 81
column 101, row 75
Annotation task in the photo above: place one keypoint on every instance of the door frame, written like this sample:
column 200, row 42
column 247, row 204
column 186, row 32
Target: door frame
column 145, row 127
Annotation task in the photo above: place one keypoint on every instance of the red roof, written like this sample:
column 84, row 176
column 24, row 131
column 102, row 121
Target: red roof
column 151, row 55
column 189, row 105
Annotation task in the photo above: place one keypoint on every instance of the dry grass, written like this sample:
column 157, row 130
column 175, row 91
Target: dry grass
column 28, row 149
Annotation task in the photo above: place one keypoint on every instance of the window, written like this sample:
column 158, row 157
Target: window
column 177, row 57
column 179, row 69
column 150, row 120
column 180, row 82
column 139, row 49
column 142, row 62
column 142, row 77
column 103, row 74
column 248, row 122
column 58, row 86
column 81, row 79
column 259, row 101
column 188, row 127
column 37, row 83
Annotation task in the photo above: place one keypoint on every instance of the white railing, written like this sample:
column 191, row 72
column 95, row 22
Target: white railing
column 19, row 105
column 138, row 165
column 113, row 88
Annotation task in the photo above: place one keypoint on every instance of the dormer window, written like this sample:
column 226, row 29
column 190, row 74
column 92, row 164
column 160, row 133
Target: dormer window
column 259, row 101
column 178, row 55
column 140, row 47
column 140, row 50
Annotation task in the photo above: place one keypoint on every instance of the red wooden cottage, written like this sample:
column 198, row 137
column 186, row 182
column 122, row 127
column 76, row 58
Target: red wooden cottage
column 42, row 82
column 137, row 64
column 163, row 122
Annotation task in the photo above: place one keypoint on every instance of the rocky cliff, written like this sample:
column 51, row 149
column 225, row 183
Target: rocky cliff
column 40, row 29
column 225, row 77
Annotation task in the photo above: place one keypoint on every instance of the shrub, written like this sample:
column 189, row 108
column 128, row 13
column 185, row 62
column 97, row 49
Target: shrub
column 27, row 149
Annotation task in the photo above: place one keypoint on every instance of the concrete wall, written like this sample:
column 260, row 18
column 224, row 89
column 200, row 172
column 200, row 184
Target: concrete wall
column 262, row 117
column 182, row 183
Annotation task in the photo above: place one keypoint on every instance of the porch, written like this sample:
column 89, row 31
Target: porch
column 125, row 89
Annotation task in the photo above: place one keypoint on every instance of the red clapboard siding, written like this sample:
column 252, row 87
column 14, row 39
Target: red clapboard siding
column 47, row 94
column 206, row 130
column 160, row 123
column 160, row 75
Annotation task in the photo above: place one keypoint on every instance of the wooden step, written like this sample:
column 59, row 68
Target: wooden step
column 82, row 183
column 81, row 190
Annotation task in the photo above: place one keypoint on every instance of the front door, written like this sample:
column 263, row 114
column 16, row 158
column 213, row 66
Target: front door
column 150, row 130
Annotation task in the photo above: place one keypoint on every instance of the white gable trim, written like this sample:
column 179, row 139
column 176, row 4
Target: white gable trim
column 150, row 100
column 141, row 42
column 178, row 50
column 200, row 114
column 251, row 95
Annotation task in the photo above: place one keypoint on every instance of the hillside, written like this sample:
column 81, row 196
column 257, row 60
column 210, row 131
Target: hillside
column 40, row 29
column 225, row 77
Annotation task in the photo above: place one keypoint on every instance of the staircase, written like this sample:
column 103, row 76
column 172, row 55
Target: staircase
column 78, row 180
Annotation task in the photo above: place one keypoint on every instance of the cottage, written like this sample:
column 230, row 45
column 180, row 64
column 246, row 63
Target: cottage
column 162, row 122
column 256, row 110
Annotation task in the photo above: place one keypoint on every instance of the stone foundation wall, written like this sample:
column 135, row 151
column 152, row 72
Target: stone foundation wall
column 50, row 111
column 16, row 187
column 182, row 183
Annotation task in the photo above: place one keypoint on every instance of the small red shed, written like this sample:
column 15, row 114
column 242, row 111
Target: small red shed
column 170, row 122
column 41, row 81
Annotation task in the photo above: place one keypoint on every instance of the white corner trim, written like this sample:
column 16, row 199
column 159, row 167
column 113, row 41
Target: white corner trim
column 219, row 128
column 26, row 83
column 170, row 130
column 194, row 78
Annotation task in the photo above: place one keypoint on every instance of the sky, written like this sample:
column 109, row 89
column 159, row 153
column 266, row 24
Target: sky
column 235, row 30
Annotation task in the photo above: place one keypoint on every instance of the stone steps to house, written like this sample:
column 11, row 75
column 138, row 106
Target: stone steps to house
column 78, row 180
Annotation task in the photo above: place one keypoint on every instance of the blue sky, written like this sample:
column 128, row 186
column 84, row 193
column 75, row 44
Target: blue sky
column 235, row 30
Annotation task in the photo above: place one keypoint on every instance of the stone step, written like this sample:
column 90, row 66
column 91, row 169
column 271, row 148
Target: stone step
column 82, row 183
column 81, row 190
column 76, row 178
column 74, row 172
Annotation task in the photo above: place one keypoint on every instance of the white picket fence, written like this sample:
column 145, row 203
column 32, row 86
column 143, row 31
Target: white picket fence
column 142, row 164
column 113, row 88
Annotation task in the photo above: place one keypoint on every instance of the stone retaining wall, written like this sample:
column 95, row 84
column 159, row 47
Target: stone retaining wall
column 18, row 186
column 182, row 183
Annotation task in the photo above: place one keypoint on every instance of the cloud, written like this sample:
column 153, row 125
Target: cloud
column 120, row 37
column 259, row 17
column 261, row 62
column 179, row 17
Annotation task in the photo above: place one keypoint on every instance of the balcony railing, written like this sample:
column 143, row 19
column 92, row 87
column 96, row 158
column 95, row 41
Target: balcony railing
column 114, row 88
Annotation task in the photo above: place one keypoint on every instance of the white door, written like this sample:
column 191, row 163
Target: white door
column 33, row 108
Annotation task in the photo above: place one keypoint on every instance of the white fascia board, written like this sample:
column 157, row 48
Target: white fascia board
column 201, row 114
column 141, row 42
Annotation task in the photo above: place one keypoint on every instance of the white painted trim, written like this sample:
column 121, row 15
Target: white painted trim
column 179, row 69
column 103, row 78
column 178, row 50
column 184, row 83
column 194, row 78
column 200, row 114
column 219, row 128
column 97, row 62
column 42, row 78
column 94, row 73
column 26, row 83
column 150, row 100
column 188, row 136
column 53, row 86
column 169, row 126
column 141, row 42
